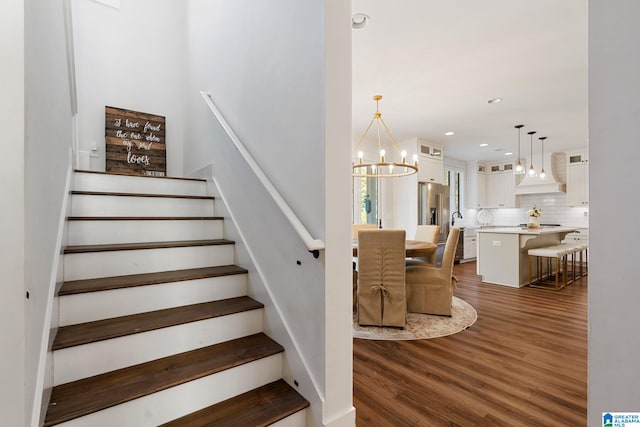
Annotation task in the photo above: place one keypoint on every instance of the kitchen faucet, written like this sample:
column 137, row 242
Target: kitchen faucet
column 453, row 217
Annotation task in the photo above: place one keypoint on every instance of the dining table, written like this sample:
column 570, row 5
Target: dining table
column 413, row 248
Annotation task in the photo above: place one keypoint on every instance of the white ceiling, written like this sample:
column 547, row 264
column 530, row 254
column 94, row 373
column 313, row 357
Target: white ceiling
column 437, row 63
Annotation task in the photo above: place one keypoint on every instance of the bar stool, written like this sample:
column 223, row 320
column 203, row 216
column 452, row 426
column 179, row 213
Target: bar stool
column 559, row 254
column 576, row 251
column 584, row 261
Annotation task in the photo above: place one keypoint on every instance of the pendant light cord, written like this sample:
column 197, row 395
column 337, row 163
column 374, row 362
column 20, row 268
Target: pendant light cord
column 519, row 166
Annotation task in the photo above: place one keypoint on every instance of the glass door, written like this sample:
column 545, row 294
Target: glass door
column 365, row 200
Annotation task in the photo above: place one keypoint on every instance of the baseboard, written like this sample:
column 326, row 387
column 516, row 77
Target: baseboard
column 347, row 419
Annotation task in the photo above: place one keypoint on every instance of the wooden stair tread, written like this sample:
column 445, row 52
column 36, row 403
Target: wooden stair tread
column 114, row 193
column 99, row 330
column 139, row 176
column 88, row 395
column 260, row 407
column 145, row 245
column 145, row 218
column 132, row 280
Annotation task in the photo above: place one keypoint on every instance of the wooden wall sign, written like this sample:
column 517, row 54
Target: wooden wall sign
column 135, row 142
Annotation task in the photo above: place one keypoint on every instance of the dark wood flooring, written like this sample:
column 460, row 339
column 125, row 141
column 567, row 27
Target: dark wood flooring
column 523, row 363
column 260, row 407
column 99, row 330
column 115, row 193
column 78, row 249
column 73, row 287
column 78, row 398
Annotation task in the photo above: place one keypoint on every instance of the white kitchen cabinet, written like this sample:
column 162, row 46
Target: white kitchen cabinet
column 470, row 246
column 430, row 150
column 476, row 185
column 581, row 235
column 501, row 185
column 430, row 159
column 494, row 195
column 431, row 168
column 577, row 180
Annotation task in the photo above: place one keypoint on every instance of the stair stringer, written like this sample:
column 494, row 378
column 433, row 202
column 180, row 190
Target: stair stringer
column 44, row 376
column 295, row 369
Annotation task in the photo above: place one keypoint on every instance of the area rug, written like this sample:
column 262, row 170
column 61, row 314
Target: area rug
column 423, row 326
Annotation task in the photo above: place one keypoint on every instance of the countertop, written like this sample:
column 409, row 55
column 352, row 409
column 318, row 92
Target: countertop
column 533, row 231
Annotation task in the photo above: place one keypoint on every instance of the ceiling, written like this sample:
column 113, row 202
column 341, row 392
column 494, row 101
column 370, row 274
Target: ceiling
column 437, row 63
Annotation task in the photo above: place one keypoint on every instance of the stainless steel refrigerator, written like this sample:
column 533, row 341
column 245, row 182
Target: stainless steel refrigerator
column 433, row 207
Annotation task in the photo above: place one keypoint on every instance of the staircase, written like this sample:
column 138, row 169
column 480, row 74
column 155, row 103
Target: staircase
column 155, row 327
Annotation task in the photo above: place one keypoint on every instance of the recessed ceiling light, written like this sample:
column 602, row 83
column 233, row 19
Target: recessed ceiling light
column 494, row 100
column 449, row 133
column 484, row 145
column 508, row 153
column 359, row 21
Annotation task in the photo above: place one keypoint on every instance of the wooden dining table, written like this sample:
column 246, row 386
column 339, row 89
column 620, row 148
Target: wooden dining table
column 413, row 248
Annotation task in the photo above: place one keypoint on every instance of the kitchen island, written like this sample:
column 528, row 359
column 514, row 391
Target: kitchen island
column 502, row 252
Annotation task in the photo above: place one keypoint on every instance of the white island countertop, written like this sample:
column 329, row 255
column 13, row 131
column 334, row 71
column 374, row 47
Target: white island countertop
column 524, row 230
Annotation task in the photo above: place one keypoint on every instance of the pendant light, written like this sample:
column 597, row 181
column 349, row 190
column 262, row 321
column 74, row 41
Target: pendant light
column 542, row 174
column 386, row 166
column 519, row 167
column 532, row 171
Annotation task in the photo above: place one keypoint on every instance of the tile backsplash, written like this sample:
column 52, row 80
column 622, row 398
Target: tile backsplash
column 554, row 211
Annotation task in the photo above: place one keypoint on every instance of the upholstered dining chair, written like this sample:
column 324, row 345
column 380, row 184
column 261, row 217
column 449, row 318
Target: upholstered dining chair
column 358, row 227
column 381, row 294
column 430, row 289
column 426, row 233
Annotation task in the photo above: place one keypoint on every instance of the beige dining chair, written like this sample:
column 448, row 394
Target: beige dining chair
column 426, row 233
column 358, row 227
column 430, row 289
column 381, row 293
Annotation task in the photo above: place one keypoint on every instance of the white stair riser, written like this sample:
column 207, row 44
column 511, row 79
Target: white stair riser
column 178, row 401
column 299, row 419
column 87, row 307
column 86, row 360
column 125, row 231
column 119, row 263
column 137, row 184
column 106, row 205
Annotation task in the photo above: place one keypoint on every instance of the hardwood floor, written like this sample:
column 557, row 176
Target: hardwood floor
column 523, row 363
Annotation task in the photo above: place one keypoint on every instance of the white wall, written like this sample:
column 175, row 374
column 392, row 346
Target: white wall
column 614, row 294
column 404, row 203
column 265, row 65
column 12, row 309
column 47, row 163
column 131, row 58
column 338, row 409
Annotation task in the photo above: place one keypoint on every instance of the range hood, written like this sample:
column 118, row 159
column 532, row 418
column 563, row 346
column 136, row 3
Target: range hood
column 551, row 182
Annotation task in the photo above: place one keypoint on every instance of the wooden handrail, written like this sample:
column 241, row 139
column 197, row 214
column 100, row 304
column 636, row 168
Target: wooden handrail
column 314, row 245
